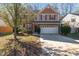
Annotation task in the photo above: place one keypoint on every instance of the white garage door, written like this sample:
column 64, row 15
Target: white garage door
column 49, row 30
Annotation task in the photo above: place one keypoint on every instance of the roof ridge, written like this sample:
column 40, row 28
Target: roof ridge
column 48, row 6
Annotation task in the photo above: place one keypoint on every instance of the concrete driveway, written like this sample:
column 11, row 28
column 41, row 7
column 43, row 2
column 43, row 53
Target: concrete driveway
column 58, row 45
column 59, row 38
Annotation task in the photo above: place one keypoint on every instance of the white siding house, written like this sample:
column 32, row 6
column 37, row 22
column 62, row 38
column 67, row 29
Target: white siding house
column 72, row 20
column 48, row 20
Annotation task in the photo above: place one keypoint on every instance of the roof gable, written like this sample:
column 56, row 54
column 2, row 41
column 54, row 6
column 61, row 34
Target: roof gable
column 48, row 10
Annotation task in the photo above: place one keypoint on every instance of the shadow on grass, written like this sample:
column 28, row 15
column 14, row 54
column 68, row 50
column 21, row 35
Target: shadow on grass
column 19, row 48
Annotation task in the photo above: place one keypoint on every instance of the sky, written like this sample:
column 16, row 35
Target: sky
column 75, row 6
column 42, row 5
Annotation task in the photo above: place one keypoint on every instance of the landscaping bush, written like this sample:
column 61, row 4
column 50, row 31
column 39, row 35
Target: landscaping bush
column 65, row 29
column 21, row 31
column 18, row 30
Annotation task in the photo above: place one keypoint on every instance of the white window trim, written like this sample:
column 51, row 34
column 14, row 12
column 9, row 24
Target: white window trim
column 43, row 17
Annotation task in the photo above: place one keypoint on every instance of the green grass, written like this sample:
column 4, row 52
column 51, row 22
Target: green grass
column 74, row 35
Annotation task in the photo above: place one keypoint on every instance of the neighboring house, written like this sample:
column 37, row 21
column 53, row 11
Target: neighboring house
column 4, row 28
column 47, row 20
column 72, row 20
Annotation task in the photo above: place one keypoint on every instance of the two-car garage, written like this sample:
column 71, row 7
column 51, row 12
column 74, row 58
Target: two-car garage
column 46, row 28
column 49, row 30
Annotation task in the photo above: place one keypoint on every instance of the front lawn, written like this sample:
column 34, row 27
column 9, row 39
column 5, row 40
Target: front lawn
column 25, row 45
column 29, row 38
column 74, row 35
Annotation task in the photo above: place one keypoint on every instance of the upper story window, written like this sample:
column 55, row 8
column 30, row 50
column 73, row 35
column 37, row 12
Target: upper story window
column 55, row 17
column 52, row 17
column 46, row 17
column 73, row 20
column 40, row 17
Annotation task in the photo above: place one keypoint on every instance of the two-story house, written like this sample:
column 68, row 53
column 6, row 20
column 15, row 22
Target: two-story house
column 48, row 21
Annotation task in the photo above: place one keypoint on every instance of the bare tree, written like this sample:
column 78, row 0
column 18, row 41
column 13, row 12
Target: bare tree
column 13, row 14
column 16, row 15
column 66, row 8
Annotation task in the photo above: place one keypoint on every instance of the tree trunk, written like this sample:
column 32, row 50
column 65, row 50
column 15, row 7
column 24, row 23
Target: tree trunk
column 15, row 40
column 15, row 35
column 15, row 21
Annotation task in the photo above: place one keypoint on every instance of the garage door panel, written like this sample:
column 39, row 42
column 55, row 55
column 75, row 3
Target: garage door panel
column 49, row 30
